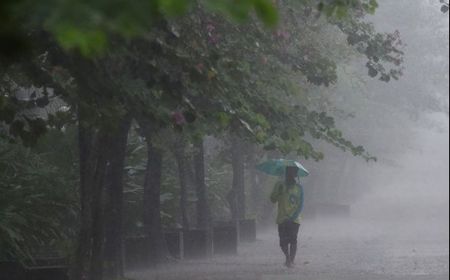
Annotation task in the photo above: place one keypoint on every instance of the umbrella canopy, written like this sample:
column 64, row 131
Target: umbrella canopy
column 277, row 167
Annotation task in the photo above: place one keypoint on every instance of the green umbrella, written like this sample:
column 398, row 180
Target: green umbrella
column 277, row 167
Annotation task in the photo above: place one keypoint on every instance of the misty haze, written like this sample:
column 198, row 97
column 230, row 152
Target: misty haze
column 224, row 140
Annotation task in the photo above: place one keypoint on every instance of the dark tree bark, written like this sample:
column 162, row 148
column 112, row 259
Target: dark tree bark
column 95, row 86
column 114, row 202
column 96, row 265
column 92, row 167
column 255, row 190
column 95, row 147
column 203, row 211
column 86, row 142
column 180, row 156
column 237, row 196
column 156, row 243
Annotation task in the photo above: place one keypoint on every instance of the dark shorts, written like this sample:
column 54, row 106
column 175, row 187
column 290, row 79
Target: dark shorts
column 288, row 232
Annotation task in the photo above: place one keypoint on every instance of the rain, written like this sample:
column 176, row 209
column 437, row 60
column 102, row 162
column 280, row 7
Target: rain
column 224, row 140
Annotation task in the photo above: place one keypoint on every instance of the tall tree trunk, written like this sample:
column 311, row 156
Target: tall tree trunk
column 96, row 265
column 93, row 143
column 114, row 202
column 255, row 190
column 203, row 211
column 157, row 247
column 237, row 197
column 86, row 142
column 92, row 167
column 180, row 155
column 94, row 146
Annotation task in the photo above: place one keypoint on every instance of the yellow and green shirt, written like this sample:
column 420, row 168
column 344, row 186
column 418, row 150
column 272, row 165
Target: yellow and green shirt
column 290, row 202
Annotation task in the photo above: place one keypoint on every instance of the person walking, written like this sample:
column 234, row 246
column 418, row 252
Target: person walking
column 289, row 196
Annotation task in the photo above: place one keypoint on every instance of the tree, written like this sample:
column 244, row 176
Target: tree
column 114, row 233
column 87, row 26
column 157, row 247
column 200, row 63
column 203, row 211
column 444, row 7
column 183, row 165
column 37, row 204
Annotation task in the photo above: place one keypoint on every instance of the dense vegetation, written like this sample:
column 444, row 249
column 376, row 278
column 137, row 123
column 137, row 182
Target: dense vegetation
column 122, row 119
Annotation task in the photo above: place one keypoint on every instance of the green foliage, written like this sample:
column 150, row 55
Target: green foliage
column 204, row 65
column 134, row 181
column 219, row 176
column 36, row 203
column 381, row 50
column 444, row 7
column 85, row 25
column 253, row 84
column 199, row 74
column 27, row 107
column 88, row 42
column 265, row 9
column 342, row 8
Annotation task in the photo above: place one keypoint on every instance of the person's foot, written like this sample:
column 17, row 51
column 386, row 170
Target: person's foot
column 292, row 262
column 288, row 263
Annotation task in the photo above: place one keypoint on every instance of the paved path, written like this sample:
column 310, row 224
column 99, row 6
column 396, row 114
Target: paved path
column 327, row 252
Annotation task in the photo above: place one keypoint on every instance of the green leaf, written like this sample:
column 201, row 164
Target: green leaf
column 373, row 6
column 341, row 12
column 87, row 42
column 224, row 119
column 174, row 7
column 266, row 11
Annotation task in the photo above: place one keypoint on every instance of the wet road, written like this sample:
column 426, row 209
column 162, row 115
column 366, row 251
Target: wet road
column 328, row 251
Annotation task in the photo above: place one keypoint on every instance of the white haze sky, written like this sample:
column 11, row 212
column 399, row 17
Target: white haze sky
column 412, row 200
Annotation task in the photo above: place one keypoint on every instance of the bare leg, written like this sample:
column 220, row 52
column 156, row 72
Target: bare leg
column 293, row 233
column 292, row 253
column 283, row 231
column 285, row 249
